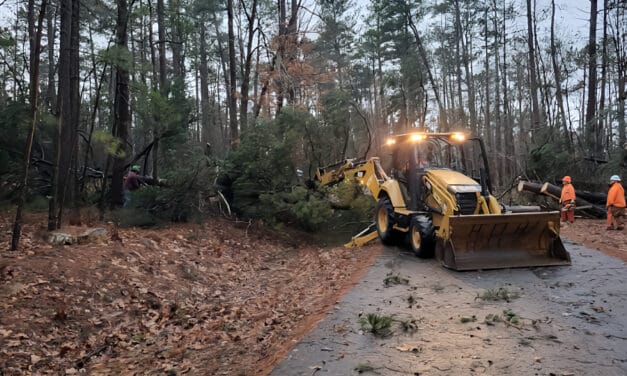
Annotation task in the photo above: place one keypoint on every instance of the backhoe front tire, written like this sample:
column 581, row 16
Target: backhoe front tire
column 385, row 221
column 422, row 236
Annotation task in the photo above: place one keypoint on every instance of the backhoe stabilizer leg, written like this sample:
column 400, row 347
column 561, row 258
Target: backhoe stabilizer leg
column 366, row 235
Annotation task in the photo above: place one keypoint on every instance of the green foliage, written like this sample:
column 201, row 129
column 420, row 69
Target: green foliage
column 118, row 57
column 134, row 217
column 111, row 144
column 409, row 326
column 617, row 165
column 6, row 39
column 376, row 324
column 37, row 204
column 181, row 195
column 165, row 116
column 394, row 279
column 298, row 207
column 511, row 316
column 261, row 174
column 337, row 132
column 351, row 195
column 336, row 35
column 498, row 294
column 261, row 181
column 13, row 133
column 363, row 368
column 549, row 160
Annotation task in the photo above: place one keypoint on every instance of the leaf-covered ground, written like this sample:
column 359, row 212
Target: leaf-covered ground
column 220, row 298
column 592, row 234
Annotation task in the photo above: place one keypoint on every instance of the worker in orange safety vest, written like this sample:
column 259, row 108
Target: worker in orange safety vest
column 615, row 204
column 567, row 200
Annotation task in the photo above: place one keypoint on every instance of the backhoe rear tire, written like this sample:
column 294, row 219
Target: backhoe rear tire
column 422, row 236
column 384, row 219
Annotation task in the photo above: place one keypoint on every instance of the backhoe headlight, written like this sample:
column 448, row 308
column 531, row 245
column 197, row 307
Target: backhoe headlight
column 417, row 137
column 459, row 137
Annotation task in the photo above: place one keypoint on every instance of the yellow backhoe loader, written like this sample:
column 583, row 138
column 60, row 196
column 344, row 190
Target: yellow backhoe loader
column 438, row 197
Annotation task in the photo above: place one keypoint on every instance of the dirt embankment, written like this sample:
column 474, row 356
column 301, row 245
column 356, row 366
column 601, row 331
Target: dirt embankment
column 218, row 298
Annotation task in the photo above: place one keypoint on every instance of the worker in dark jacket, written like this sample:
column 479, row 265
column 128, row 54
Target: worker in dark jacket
column 615, row 204
column 132, row 182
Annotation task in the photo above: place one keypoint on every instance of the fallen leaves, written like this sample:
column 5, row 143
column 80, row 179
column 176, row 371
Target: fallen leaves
column 183, row 299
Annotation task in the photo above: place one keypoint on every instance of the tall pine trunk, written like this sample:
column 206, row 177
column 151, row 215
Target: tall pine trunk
column 533, row 72
column 232, row 78
column 34, row 39
column 243, row 111
column 591, row 123
column 121, row 115
column 64, row 134
column 558, row 83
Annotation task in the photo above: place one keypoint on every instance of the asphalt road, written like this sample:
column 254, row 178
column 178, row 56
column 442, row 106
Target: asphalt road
column 569, row 320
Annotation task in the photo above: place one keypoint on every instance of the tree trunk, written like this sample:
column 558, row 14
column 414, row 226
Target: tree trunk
column 621, row 72
column 292, row 52
column 591, row 209
column 247, row 66
column 50, row 35
column 533, row 86
column 75, row 97
column 164, row 88
column 509, row 144
column 602, row 120
column 591, row 123
column 34, row 39
column 94, row 113
column 176, row 45
column 486, row 82
column 121, row 114
column 498, row 132
column 558, row 83
column 459, row 51
column 204, row 86
column 232, row 77
column 163, row 80
column 280, row 56
column 423, row 55
column 596, row 209
column 472, row 107
column 153, row 52
column 63, row 155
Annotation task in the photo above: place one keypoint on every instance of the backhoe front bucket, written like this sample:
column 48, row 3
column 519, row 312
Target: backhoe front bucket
column 503, row 241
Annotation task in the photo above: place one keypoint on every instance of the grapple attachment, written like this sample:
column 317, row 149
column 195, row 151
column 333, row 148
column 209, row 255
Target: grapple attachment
column 502, row 241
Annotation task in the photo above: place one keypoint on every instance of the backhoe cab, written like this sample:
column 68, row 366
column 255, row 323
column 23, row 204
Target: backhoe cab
column 438, row 197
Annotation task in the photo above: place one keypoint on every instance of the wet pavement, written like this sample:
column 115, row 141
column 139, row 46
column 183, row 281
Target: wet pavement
column 563, row 320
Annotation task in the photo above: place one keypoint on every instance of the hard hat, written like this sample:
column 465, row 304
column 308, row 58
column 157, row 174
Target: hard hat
column 135, row 168
column 566, row 178
column 615, row 178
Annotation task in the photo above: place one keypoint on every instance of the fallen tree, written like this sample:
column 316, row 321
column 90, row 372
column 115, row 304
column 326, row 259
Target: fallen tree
column 588, row 204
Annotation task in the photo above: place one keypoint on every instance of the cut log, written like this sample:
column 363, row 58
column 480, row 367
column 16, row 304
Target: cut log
column 595, row 198
column 529, row 186
column 583, row 206
column 523, row 209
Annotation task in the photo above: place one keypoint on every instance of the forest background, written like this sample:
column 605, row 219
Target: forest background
column 241, row 102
